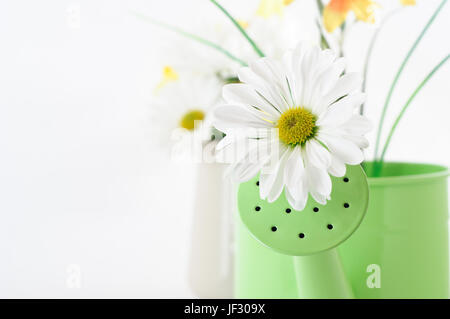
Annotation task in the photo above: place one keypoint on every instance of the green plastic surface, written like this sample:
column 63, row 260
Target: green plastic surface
column 321, row 276
column 315, row 229
column 405, row 233
column 261, row 272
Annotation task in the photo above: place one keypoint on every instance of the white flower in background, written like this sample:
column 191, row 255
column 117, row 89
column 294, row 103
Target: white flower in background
column 276, row 26
column 302, row 110
column 181, row 109
column 187, row 55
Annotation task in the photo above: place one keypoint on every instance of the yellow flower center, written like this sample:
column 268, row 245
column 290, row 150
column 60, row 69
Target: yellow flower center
column 189, row 119
column 296, row 126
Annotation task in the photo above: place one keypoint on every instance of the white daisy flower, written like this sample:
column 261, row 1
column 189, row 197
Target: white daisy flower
column 303, row 110
column 181, row 110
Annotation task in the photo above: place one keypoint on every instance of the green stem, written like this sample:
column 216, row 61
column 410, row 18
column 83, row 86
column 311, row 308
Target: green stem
column 402, row 112
column 342, row 39
column 237, row 25
column 323, row 40
column 399, row 72
column 369, row 55
column 320, row 6
column 191, row 36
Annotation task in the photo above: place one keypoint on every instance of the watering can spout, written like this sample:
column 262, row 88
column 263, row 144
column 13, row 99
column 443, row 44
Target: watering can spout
column 321, row 276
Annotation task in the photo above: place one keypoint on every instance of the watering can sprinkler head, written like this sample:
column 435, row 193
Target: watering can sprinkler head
column 312, row 232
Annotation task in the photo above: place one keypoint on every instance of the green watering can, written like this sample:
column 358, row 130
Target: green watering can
column 310, row 236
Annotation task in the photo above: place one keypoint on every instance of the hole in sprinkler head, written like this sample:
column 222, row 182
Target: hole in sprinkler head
column 288, row 210
column 257, row 208
column 346, row 180
column 274, row 228
column 257, row 183
column 316, row 209
column 330, row 227
column 346, row 205
column 301, row 235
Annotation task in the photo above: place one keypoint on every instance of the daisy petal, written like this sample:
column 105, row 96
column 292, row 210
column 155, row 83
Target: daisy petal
column 337, row 167
column 341, row 111
column 249, row 160
column 347, row 84
column 309, row 61
column 245, row 171
column 320, row 198
column 294, row 169
column 330, row 77
column 270, row 170
column 265, row 68
column 298, row 202
column 317, row 179
column 345, row 150
column 233, row 116
column 278, row 183
column 324, row 83
column 359, row 140
column 358, row 125
column 266, row 91
column 245, row 95
column 318, row 155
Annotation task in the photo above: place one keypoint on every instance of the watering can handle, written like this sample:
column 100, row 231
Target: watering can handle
column 322, row 276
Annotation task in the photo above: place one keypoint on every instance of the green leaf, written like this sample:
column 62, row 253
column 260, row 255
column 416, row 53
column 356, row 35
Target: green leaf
column 399, row 73
column 378, row 164
column 191, row 36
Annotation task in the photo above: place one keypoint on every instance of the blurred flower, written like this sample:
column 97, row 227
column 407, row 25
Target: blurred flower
column 267, row 8
column 168, row 76
column 408, row 2
column 299, row 114
column 274, row 34
column 336, row 11
column 185, row 54
column 181, row 106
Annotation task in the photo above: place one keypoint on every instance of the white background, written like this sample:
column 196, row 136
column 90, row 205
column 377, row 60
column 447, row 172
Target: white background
column 82, row 187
